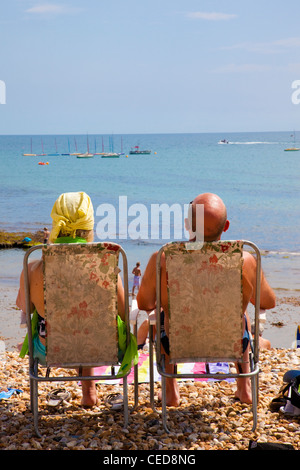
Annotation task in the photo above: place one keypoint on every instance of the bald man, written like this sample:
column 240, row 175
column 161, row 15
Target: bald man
column 215, row 223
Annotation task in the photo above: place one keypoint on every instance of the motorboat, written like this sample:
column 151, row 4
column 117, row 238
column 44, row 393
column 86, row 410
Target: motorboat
column 136, row 151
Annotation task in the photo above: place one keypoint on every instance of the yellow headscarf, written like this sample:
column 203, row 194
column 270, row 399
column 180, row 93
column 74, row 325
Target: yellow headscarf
column 71, row 211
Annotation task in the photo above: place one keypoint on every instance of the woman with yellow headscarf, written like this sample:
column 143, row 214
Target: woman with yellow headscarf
column 73, row 222
column 73, row 217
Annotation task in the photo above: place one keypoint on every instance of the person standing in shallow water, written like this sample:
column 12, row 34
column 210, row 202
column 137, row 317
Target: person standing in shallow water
column 137, row 275
column 46, row 235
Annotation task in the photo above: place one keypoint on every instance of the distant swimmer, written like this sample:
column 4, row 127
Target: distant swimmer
column 137, row 274
column 46, row 235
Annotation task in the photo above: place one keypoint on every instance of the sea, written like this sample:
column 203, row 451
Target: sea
column 256, row 178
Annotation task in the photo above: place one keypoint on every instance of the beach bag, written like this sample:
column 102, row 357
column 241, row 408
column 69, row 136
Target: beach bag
column 255, row 445
column 281, row 398
column 289, row 393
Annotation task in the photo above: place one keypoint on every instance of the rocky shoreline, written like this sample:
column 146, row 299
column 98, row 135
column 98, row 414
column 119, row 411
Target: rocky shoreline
column 208, row 418
column 19, row 239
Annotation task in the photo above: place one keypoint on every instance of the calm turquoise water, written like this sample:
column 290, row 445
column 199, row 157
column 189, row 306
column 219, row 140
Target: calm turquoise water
column 257, row 180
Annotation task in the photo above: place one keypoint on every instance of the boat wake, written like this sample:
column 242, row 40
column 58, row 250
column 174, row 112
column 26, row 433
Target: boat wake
column 253, row 143
column 280, row 253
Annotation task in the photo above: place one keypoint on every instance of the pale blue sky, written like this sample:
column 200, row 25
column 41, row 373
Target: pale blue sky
column 140, row 66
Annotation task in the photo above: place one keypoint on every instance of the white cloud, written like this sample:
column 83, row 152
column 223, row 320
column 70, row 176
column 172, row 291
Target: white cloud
column 51, row 9
column 242, row 68
column 289, row 42
column 213, row 16
column 295, row 67
column 273, row 47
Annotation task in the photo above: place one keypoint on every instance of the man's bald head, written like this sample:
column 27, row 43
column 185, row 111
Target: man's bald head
column 215, row 216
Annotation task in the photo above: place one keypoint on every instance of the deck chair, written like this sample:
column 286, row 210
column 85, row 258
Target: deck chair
column 80, row 295
column 204, row 282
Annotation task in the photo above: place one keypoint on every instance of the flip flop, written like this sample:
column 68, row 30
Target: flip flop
column 5, row 394
column 114, row 401
column 58, row 396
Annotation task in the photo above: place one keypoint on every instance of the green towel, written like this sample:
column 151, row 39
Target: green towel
column 70, row 240
column 34, row 322
column 126, row 354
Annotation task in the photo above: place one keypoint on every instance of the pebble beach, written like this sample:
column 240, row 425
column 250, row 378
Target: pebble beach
column 208, row 418
column 177, row 102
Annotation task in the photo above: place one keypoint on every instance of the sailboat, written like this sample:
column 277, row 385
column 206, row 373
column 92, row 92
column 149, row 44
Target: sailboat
column 56, row 154
column 292, row 149
column 75, row 153
column 30, row 154
column 43, row 154
column 111, row 154
column 98, row 153
column 68, row 148
column 122, row 153
column 86, row 154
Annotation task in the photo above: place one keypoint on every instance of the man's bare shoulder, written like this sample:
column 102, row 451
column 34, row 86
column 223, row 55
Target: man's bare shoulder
column 248, row 257
column 35, row 270
column 153, row 260
column 249, row 262
column 35, row 265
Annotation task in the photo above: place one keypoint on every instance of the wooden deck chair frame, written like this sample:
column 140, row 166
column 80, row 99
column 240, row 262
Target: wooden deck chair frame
column 94, row 250
column 191, row 247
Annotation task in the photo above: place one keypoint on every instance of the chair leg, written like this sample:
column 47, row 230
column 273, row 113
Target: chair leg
column 136, row 386
column 254, row 401
column 163, row 396
column 125, row 395
column 163, row 403
column 35, row 409
column 136, row 376
column 31, row 386
column 151, row 371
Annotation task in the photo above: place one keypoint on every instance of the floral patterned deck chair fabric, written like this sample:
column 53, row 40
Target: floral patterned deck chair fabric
column 81, row 325
column 205, row 301
column 204, row 283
